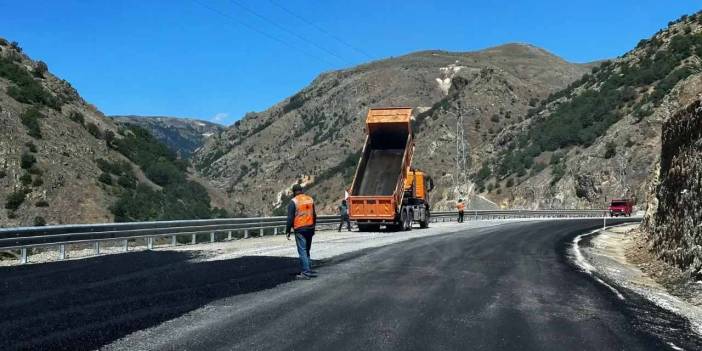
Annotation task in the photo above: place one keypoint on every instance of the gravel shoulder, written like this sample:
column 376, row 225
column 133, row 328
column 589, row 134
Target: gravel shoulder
column 618, row 257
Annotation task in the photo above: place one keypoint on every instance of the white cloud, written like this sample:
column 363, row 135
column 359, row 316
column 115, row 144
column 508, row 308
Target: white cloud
column 220, row 117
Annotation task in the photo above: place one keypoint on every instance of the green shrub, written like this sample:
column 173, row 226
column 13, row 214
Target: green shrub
column 31, row 146
column 14, row 200
column 25, row 88
column 27, row 160
column 77, row 117
column 109, row 137
column 15, row 45
column 610, row 150
column 39, row 221
column 30, row 119
column 105, row 178
column 3, row 42
column 38, row 181
column 127, row 181
column 3, row 173
column 40, row 69
column 26, row 179
column 35, row 170
column 164, row 173
column 94, row 130
column 117, row 168
column 41, row 203
column 495, row 118
column 509, row 183
column 557, row 172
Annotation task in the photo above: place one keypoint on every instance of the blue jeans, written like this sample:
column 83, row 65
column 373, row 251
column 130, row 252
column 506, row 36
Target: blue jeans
column 304, row 243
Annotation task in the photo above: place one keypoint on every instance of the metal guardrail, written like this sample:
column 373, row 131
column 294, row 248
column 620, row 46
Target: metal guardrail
column 25, row 238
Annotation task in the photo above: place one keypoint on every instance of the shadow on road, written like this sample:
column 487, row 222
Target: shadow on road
column 83, row 304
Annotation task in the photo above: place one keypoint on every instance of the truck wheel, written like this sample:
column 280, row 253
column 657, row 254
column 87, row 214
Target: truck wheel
column 425, row 223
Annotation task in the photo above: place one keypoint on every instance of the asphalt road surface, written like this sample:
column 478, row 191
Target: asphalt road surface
column 510, row 287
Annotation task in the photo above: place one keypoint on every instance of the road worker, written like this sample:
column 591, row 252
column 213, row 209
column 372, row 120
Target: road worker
column 301, row 220
column 344, row 215
column 461, row 206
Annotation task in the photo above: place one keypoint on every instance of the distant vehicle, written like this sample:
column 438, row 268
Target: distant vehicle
column 621, row 207
column 386, row 190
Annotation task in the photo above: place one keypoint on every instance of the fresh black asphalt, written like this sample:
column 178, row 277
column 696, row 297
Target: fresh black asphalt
column 510, row 287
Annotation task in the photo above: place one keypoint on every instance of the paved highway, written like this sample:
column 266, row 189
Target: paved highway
column 499, row 288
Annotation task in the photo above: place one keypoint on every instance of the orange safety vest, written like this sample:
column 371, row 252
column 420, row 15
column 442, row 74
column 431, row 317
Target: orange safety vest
column 460, row 206
column 304, row 211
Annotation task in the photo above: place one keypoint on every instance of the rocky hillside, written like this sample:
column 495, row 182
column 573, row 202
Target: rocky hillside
column 182, row 135
column 674, row 217
column 600, row 137
column 63, row 161
column 316, row 135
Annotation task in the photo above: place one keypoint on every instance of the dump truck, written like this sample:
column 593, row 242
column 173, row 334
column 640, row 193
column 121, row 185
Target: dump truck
column 386, row 189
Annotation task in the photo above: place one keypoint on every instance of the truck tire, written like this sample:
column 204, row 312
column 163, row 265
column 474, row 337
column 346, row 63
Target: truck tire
column 425, row 223
column 410, row 219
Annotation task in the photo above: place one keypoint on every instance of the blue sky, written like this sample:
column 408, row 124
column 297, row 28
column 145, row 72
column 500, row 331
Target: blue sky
column 218, row 59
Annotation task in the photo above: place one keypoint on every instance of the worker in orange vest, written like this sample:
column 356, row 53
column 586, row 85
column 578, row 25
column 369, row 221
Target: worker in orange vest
column 461, row 207
column 302, row 219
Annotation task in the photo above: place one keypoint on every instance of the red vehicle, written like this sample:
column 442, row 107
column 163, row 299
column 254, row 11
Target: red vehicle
column 621, row 207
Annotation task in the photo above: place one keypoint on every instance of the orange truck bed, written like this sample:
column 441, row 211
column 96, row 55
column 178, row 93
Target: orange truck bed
column 378, row 186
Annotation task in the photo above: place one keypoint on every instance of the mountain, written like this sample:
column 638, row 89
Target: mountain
column 315, row 136
column 63, row 161
column 600, row 137
column 182, row 135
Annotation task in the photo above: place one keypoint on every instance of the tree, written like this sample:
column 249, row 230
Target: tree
column 94, row 130
column 30, row 119
column 27, row 160
column 610, row 150
column 40, row 69
column 14, row 200
column 105, row 178
column 109, row 137
column 39, row 221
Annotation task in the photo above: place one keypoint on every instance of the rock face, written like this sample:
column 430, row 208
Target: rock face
column 674, row 218
column 182, row 135
column 316, row 135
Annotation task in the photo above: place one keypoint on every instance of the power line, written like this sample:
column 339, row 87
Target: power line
column 273, row 23
column 311, row 24
column 252, row 28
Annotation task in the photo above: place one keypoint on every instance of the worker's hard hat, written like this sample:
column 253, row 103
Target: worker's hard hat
column 296, row 188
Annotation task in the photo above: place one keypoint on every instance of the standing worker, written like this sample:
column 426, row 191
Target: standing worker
column 344, row 213
column 461, row 207
column 302, row 219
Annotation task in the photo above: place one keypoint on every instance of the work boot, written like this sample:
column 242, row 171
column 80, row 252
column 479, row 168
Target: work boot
column 310, row 274
column 302, row 276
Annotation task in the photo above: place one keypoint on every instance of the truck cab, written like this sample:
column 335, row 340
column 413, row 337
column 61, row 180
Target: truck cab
column 621, row 207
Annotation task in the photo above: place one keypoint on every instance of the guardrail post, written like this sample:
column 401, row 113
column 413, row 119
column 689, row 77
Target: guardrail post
column 193, row 240
column 229, row 235
column 150, row 243
column 96, row 245
column 126, row 245
column 23, row 255
column 212, row 237
column 246, row 233
column 62, row 252
column 261, row 231
column 174, row 241
column 275, row 231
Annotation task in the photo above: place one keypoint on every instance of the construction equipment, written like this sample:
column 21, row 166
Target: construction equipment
column 386, row 190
